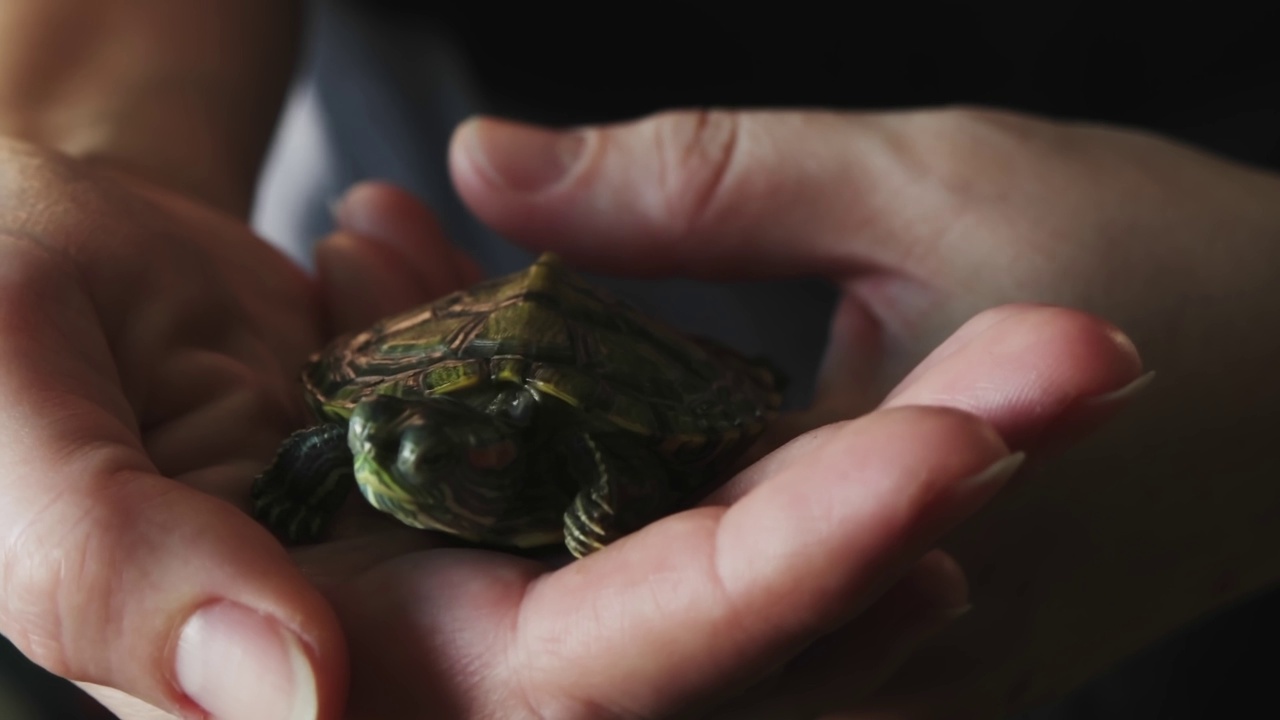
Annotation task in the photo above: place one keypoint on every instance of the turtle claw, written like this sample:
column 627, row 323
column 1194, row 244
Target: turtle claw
column 303, row 488
column 585, row 522
column 292, row 524
column 627, row 488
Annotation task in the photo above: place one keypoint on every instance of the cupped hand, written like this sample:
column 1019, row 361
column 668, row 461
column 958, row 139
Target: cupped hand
column 819, row 550
column 148, row 363
column 923, row 220
column 149, row 372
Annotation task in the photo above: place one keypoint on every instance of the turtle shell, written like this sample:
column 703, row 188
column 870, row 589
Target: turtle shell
column 549, row 329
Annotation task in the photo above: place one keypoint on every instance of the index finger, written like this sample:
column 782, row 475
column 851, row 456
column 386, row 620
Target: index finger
column 707, row 194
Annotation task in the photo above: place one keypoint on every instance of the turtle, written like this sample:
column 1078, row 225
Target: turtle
column 528, row 410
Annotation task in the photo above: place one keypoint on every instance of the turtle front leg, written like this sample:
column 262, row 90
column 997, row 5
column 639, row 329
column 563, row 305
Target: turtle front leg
column 303, row 488
column 624, row 487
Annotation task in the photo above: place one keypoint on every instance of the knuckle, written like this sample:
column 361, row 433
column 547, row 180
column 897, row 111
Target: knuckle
column 41, row 190
column 39, row 570
column 981, row 117
column 28, row 621
column 964, row 140
column 35, row 281
column 59, row 573
column 695, row 155
column 940, row 421
column 948, row 158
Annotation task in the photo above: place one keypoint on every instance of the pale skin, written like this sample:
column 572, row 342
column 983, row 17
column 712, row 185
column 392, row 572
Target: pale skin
column 925, row 218
column 159, row 338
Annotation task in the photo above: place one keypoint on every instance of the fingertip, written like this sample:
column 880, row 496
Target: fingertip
column 381, row 211
column 518, row 158
column 940, row 583
column 462, row 169
column 253, row 637
column 256, row 639
column 478, row 153
column 471, row 180
column 189, row 608
column 234, row 662
column 384, row 211
column 1035, row 366
column 362, row 281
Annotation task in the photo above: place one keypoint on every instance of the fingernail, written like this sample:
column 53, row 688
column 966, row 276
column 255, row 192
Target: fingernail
column 521, row 158
column 354, row 216
column 942, row 580
column 1121, row 396
column 993, row 477
column 235, row 663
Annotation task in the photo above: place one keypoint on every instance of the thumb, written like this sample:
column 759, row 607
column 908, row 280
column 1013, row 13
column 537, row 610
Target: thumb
column 717, row 195
column 712, row 194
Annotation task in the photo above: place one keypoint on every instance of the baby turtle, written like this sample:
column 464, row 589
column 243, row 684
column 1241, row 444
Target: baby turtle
column 526, row 410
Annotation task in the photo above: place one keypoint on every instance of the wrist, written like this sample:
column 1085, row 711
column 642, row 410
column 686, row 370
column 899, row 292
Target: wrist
column 184, row 95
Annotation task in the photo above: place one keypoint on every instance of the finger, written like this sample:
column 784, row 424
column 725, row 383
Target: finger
column 711, row 194
column 382, row 211
column 1042, row 374
column 849, row 508
column 388, row 254
column 363, row 281
column 113, row 575
column 856, row 659
column 1039, row 375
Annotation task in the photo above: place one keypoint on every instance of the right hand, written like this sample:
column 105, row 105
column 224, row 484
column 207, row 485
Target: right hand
column 149, row 347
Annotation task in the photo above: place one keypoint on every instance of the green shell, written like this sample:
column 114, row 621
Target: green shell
column 658, row 411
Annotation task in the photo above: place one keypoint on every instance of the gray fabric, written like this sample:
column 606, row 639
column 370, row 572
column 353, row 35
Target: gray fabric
column 387, row 101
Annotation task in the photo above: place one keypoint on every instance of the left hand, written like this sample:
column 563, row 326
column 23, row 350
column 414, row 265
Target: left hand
column 924, row 219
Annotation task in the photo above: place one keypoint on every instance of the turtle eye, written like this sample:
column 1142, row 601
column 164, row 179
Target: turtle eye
column 419, row 449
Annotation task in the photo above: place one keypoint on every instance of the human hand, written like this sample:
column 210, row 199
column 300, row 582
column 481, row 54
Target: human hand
column 800, row 543
column 923, row 219
column 129, row 435
column 147, row 372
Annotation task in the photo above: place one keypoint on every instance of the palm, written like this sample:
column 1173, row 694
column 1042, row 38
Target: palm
column 201, row 323
column 214, row 354
column 923, row 219
column 473, row 633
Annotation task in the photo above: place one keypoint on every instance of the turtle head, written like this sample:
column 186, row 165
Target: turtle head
column 436, row 462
